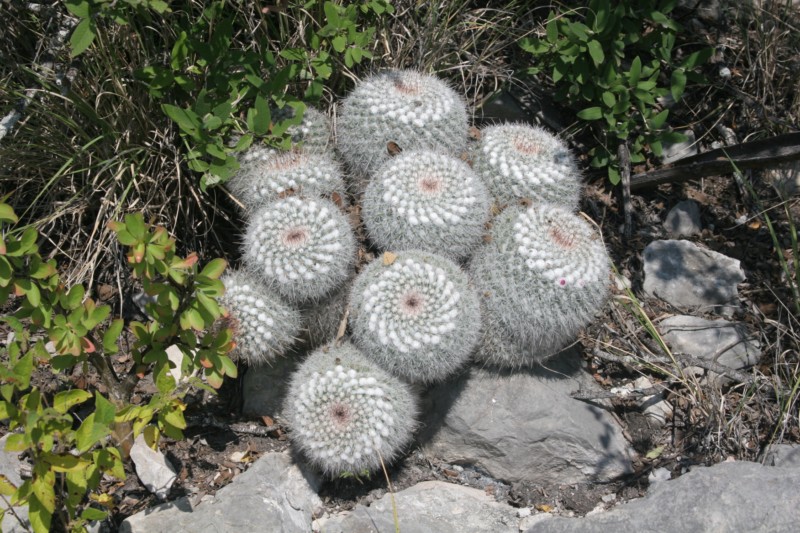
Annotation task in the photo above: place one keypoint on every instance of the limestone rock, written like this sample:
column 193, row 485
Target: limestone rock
column 686, row 275
column 426, row 507
column 272, row 495
column 153, row 468
column 675, row 151
column 683, row 219
column 264, row 387
column 523, row 426
column 704, row 338
column 727, row 497
column 9, row 467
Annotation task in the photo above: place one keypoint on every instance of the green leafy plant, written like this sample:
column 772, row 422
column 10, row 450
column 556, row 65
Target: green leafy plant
column 70, row 454
column 614, row 63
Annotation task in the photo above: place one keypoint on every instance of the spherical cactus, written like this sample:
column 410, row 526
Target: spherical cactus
column 313, row 134
column 544, row 276
column 408, row 108
column 303, row 248
column 263, row 325
column 346, row 414
column 265, row 177
column 428, row 201
column 518, row 161
column 415, row 315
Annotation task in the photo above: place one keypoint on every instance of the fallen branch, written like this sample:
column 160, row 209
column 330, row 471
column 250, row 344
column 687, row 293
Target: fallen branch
column 756, row 154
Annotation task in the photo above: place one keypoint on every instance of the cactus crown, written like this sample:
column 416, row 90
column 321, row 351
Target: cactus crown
column 416, row 317
column 428, row 201
column 409, row 108
column 519, row 161
column 302, row 247
column 264, row 326
column 344, row 411
column 560, row 246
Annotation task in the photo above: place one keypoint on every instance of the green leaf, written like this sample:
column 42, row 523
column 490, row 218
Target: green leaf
column 596, row 51
column 339, row 43
column 93, row 514
column 609, row 99
column 697, row 58
column 16, row 442
column 7, row 213
column 332, row 14
column 33, row 295
column 40, row 518
column 635, row 73
column 65, row 400
column 657, row 122
column 214, row 268
column 112, row 335
column 613, row 175
column 82, row 37
column 64, row 462
column 590, row 113
column 186, row 119
column 552, row 29
column 6, row 273
column 677, row 84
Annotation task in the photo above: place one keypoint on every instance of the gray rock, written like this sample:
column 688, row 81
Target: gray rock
column 10, row 467
column 785, row 178
column 724, row 342
column 264, row 387
column 727, row 497
column 524, row 426
column 426, row 507
column 675, row 151
column 683, row 219
column 686, row 275
column 153, row 468
column 783, row 455
column 272, row 495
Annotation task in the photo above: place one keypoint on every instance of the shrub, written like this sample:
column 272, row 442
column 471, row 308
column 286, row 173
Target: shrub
column 70, row 455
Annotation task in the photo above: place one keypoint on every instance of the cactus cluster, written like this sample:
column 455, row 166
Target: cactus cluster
column 347, row 413
column 518, row 162
column 428, row 201
column 463, row 271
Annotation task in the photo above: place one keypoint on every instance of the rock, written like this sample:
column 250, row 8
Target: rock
column 272, row 495
column 264, row 387
column 783, row 455
column 675, row 151
column 736, row 496
column 785, row 178
column 10, row 467
column 523, row 426
column 655, row 406
column 686, row 275
column 154, row 470
column 683, row 219
column 428, row 506
column 704, row 338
